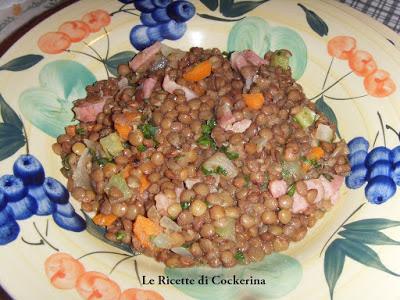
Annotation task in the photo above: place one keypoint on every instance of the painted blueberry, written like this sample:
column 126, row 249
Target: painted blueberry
column 9, row 232
column 3, row 201
column 378, row 153
column 139, row 37
column 181, row 11
column 29, row 169
column 380, row 189
column 55, row 190
column 147, row 19
column 66, row 210
column 22, row 209
column 396, row 154
column 12, row 187
column 357, row 158
column 45, row 205
column 396, row 173
column 161, row 3
column 357, row 177
column 160, row 15
column 74, row 223
column 358, row 144
column 381, row 167
column 172, row 30
column 5, row 217
column 145, row 6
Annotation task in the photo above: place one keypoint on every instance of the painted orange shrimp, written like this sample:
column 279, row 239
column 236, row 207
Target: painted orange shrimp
column 63, row 270
column 95, row 285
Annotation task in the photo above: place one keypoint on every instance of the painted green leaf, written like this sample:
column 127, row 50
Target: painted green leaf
column 11, row 139
column 368, row 237
column 232, row 9
column 209, row 17
column 210, row 4
column 99, row 232
column 8, row 114
column 117, row 59
column 372, row 224
column 364, row 255
column 323, row 107
column 281, row 273
column 315, row 21
column 256, row 34
column 21, row 63
column 48, row 106
column 333, row 264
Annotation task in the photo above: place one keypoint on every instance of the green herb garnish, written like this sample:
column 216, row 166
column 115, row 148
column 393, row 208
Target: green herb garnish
column 246, row 180
column 227, row 54
column 312, row 162
column 149, row 131
column 120, row 235
column 291, row 190
column 186, row 245
column 231, row 155
column 280, row 58
column 65, row 162
column 80, row 130
column 218, row 170
column 239, row 256
column 101, row 161
column 185, row 205
column 206, row 139
column 141, row 148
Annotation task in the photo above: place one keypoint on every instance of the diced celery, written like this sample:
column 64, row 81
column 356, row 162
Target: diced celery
column 112, row 144
column 118, row 181
column 227, row 231
column 280, row 58
column 306, row 117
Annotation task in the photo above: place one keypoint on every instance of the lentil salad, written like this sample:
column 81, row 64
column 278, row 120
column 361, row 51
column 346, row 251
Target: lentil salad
column 203, row 157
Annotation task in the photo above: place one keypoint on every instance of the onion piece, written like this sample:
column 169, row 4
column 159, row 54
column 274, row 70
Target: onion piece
column 225, row 228
column 167, row 223
column 162, row 241
column 167, row 50
column 220, row 160
column 324, row 133
column 181, row 251
column 81, row 173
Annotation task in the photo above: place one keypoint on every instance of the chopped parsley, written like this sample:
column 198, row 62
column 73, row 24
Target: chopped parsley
column 101, row 161
column 120, row 235
column 65, row 162
column 149, row 131
column 186, row 245
column 80, row 130
column 246, row 180
column 218, row 170
column 231, row 155
column 312, row 162
column 291, row 190
column 239, row 256
column 185, row 205
column 264, row 185
column 206, row 139
column 141, row 148
column 227, row 54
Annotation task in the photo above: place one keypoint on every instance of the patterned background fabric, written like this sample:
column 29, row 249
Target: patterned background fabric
column 385, row 11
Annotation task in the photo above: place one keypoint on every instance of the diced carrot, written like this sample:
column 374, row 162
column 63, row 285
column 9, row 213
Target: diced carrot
column 125, row 171
column 122, row 123
column 306, row 166
column 104, row 220
column 144, row 183
column 144, row 228
column 315, row 153
column 123, row 130
column 254, row 101
column 198, row 72
column 70, row 130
